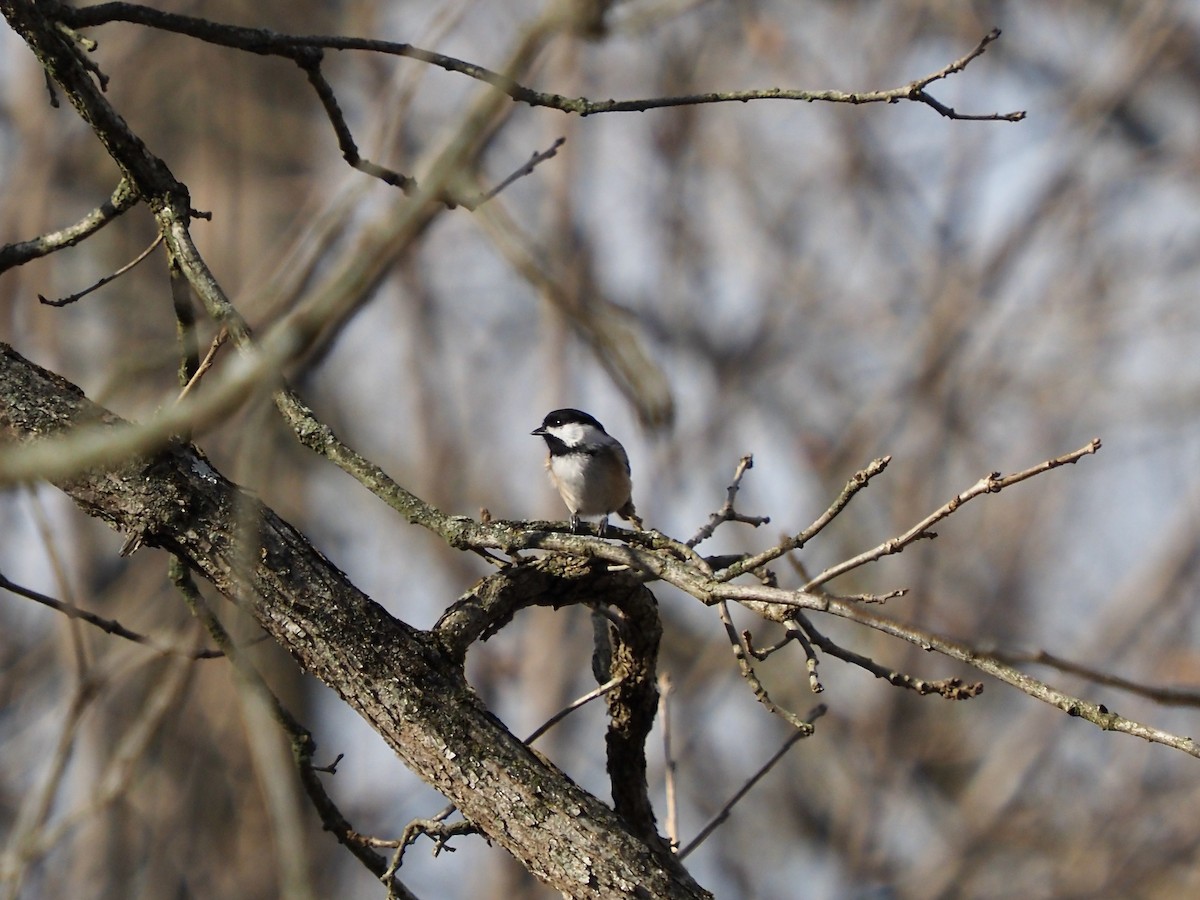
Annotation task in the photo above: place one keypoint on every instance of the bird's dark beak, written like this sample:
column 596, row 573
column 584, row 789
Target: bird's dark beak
column 538, row 430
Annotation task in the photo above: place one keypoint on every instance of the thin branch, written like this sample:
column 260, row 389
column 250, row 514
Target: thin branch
column 310, row 62
column 527, row 169
column 109, row 626
column 727, row 513
column 914, row 91
column 1096, row 713
column 575, row 704
column 762, row 653
column 71, row 298
column 873, row 598
column 810, row 662
column 748, row 673
column 793, row 633
column 1167, row 696
column 950, row 112
column 221, row 337
column 440, row 832
column 950, row 688
column 721, row 816
column 50, row 89
column 308, row 54
column 860, row 480
column 123, row 199
column 85, row 43
column 80, row 43
column 989, row 484
column 270, row 43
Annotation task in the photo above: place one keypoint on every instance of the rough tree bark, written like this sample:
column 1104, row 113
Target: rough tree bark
column 407, row 684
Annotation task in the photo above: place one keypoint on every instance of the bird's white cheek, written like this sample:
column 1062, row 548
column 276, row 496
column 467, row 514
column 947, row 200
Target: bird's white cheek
column 573, row 434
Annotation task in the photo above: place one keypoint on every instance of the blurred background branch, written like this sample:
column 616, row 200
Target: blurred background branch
column 817, row 284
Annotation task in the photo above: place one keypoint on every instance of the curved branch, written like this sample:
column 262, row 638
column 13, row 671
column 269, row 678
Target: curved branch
column 400, row 680
column 629, row 654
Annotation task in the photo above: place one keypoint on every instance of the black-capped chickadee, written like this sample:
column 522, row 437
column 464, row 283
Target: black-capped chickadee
column 588, row 466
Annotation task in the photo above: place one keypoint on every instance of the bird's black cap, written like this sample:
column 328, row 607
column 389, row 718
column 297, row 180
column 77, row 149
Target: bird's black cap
column 566, row 416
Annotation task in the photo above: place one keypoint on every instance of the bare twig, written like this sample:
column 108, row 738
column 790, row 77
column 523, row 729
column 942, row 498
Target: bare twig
column 1096, row 713
column 950, row 688
column 207, row 363
column 527, row 169
column 989, row 484
column 575, row 704
column 309, row 59
column 873, row 598
column 810, row 662
column 793, row 633
column 271, row 43
column 1167, row 696
column 85, row 43
column 721, row 816
column 331, row 768
column 747, row 670
column 919, row 93
column 110, row 626
column 308, row 54
column 78, row 43
column 727, row 513
column 440, row 832
column 860, row 480
column 761, row 653
column 71, row 298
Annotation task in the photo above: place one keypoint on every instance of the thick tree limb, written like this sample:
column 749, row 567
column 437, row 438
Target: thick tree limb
column 400, row 680
column 628, row 654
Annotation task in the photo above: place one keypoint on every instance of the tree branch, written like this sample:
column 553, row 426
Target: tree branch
column 400, row 680
column 110, row 626
column 303, row 744
column 989, row 484
column 271, row 43
column 629, row 654
column 123, row 199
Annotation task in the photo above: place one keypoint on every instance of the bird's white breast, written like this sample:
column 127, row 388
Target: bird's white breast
column 590, row 485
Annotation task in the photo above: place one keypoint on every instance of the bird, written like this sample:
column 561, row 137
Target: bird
column 588, row 467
